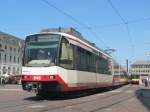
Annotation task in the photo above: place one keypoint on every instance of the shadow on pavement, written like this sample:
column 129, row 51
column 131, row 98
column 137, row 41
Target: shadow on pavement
column 143, row 95
column 70, row 95
column 63, row 96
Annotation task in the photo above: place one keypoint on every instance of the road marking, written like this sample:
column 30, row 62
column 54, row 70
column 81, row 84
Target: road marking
column 36, row 106
column 129, row 91
column 68, row 107
column 131, row 100
column 11, row 90
column 108, row 109
column 101, row 94
column 115, row 91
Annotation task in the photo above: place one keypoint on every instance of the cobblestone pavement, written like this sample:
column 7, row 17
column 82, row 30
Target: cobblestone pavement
column 129, row 98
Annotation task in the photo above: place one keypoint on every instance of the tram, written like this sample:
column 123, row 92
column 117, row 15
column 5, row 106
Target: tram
column 135, row 79
column 61, row 60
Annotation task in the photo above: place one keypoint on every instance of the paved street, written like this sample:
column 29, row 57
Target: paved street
column 129, row 98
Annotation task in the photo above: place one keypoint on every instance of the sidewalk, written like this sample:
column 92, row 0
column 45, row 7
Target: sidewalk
column 143, row 95
column 11, row 86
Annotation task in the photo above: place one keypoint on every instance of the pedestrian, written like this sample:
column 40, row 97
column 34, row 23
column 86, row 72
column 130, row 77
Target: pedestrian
column 148, row 79
column 146, row 83
column 2, row 81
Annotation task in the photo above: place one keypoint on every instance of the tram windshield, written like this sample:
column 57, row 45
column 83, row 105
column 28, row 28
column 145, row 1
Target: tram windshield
column 135, row 76
column 41, row 50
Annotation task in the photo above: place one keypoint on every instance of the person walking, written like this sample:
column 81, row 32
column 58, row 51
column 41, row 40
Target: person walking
column 146, row 82
column 2, row 81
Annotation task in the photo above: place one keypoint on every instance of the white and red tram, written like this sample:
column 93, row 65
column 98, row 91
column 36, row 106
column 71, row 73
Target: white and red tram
column 60, row 60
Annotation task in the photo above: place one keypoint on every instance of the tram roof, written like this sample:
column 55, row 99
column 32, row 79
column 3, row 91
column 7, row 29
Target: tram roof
column 71, row 31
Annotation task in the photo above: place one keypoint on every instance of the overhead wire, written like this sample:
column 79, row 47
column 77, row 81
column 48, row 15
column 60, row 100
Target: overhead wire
column 130, row 40
column 64, row 13
column 117, row 12
column 126, row 25
column 84, row 26
column 116, row 24
column 139, row 20
column 75, row 20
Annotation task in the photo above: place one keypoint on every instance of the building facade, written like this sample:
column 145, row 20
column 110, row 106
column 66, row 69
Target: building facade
column 118, row 69
column 11, row 50
column 141, row 69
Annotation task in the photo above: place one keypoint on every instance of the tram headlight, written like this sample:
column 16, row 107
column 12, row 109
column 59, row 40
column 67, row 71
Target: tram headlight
column 25, row 77
column 51, row 77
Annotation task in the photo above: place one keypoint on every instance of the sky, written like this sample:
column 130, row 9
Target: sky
column 126, row 30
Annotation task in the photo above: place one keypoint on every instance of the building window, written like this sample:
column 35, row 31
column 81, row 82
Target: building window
column 18, row 59
column 10, row 48
column 0, row 57
column 5, row 46
column 4, row 70
column 14, row 71
column 14, row 59
column 9, row 69
column 17, row 71
column 0, row 46
column 10, row 59
column 5, row 58
column 18, row 50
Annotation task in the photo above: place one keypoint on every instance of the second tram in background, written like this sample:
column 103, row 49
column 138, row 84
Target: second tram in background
column 135, row 79
column 61, row 60
column 120, row 75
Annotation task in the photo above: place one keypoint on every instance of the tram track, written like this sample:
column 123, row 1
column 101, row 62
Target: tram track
column 112, row 104
column 11, row 104
column 70, row 103
column 83, row 102
column 55, row 104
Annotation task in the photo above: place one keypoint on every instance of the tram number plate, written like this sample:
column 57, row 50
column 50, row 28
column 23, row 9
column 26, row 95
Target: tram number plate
column 36, row 78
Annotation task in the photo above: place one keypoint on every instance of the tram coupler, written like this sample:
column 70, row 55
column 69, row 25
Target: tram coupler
column 33, row 87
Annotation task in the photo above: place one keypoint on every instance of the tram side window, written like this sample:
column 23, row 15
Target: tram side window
column 103, row 66
column 98, row 66
column 66, row 55
column 86, row 61
column 81, row 59
column 91, row 62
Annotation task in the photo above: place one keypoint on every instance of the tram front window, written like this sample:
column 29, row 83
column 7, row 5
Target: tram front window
column 41, row 53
